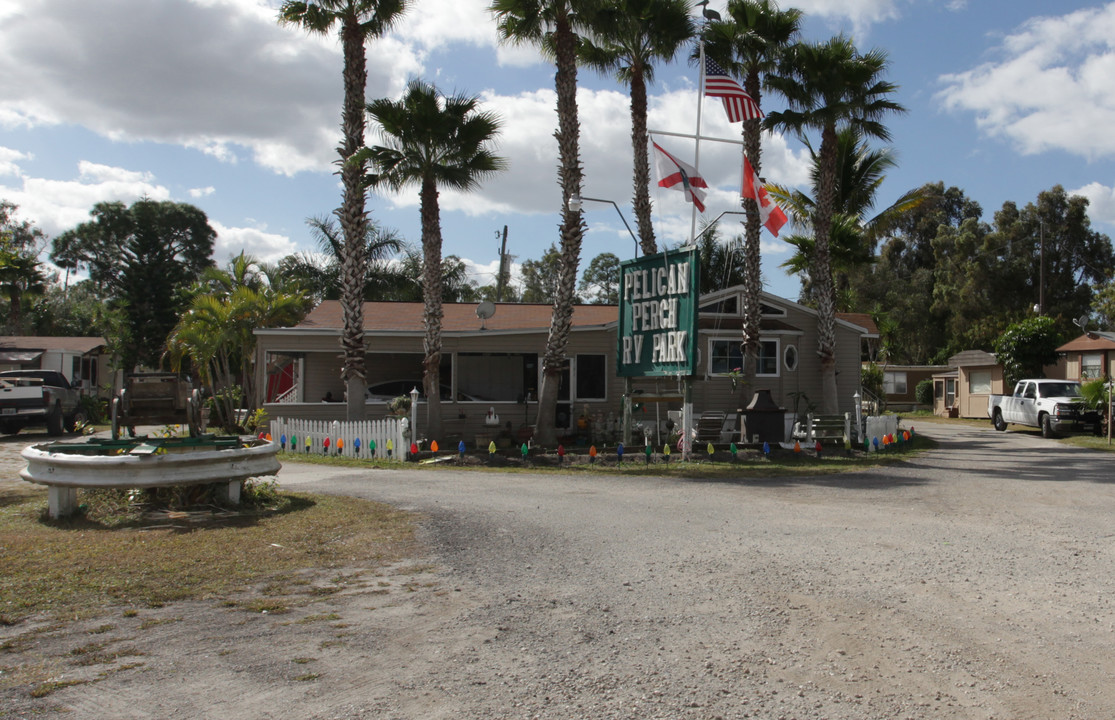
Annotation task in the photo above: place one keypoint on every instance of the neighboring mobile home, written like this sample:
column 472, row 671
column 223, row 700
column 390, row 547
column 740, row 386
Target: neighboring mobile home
column 1092, row 355
column 83, row 360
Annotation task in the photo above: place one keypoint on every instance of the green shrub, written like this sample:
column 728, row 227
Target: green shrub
column 923, row 393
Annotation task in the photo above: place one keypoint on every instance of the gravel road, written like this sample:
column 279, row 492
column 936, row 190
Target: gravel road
column 973, row 581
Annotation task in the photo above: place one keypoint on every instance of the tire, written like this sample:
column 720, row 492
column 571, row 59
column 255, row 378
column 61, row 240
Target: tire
column 54, row 422
column 1046, row 427
column 9, row 428
column 998, row 421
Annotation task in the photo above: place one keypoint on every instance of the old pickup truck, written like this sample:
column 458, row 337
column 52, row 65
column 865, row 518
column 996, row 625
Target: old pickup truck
column 1052, row 405
column 38, row 397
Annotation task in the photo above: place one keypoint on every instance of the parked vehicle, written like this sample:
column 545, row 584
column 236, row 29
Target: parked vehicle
column 388, row 391
column 38, row 397
column 1052, row 405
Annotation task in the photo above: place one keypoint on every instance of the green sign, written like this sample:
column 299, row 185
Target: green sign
column 658, row 315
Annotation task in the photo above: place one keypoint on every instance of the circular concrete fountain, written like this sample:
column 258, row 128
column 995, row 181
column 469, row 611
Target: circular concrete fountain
column 145, row 462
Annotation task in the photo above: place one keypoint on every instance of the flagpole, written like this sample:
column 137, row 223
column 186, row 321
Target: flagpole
column 697, row 137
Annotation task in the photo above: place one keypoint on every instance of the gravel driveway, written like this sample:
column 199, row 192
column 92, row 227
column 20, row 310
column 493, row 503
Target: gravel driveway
column 971, row 582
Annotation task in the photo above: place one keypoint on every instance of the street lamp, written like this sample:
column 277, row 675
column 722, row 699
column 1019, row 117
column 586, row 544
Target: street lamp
column 577, row 201
column 712, row 224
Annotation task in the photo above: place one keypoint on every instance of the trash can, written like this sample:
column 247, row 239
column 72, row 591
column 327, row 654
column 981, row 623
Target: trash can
column 763, row 418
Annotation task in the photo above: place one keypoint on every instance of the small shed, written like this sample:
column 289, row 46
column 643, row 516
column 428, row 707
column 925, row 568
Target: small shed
column 964, row 389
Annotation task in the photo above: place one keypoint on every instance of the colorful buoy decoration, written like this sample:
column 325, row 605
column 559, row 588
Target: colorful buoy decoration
column 797, row 447
column 491, row 448
column 561, row 453
column 733, row 449
column 817, row 447
column 711, row 450
column 308, row 443
column 390, row 446
column 340, row 445
column 666, row 452
column 282, row 442
column 766, row 448
column 619, row 453
column 648, row 451
column 592, row 454
column 372, row 448
column 414, row 450
column 433, row 446
column 524, row 450
column 461, row 450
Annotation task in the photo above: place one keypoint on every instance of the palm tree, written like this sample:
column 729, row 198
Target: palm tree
column 217, row 332
column 751, row 42
column 830, row 85
column 431, row 141
column 627, row 38
column 855, row 233
column 553, row 26
column 358, row 20
column 320, row 273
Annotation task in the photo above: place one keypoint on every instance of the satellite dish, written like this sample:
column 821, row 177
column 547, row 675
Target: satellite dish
column 1082, row 323
column 485, row 310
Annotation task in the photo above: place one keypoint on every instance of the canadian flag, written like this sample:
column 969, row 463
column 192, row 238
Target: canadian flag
column 675, row 174
column 772, row 216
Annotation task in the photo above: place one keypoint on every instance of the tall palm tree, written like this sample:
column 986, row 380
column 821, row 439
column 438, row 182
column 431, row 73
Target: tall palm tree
column 359, row 20
column 320, row 272
column 861, row 170
column 432, row 141
column 627, row 37
column 830, row 85
column 553, row 25
column 751, row 42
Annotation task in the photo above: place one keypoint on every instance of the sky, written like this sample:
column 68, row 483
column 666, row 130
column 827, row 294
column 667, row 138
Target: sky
column 213, row 103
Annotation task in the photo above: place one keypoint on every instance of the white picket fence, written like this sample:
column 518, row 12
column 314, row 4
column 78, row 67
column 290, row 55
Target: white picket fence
column 388, row 435
column 878, row 426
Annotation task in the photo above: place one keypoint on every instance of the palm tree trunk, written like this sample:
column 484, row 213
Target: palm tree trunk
column 641, row 201
column 572, row 230
column 432, row 313
column 354, row 219
column 752, row 271
column 821, row 272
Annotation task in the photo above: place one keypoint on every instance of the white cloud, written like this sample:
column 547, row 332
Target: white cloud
column 1050, row 87
column 9, row 161
column 263, row 246
column 1101, row 202
column 202, row 192
column 434, row 23
column 220, row 76
column 58, row 205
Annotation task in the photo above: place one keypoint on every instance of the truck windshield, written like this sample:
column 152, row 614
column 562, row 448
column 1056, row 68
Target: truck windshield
column 1065, row 389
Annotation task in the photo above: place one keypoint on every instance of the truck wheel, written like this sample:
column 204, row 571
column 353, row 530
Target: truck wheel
column 998, row 421
column 54, row 424
column 8, row 428
column 1047, row 427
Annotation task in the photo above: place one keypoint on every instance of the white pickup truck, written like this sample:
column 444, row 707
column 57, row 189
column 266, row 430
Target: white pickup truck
column 38, row 397
column 1052, row 405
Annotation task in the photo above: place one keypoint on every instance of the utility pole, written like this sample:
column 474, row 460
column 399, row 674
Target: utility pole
column 501, row 274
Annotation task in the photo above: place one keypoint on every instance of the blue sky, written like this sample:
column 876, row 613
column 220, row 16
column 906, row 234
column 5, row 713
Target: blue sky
column 211, row 102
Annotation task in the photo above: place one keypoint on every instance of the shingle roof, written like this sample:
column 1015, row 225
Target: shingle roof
column 1090, row 341
column 457, row 317
column 42, row 342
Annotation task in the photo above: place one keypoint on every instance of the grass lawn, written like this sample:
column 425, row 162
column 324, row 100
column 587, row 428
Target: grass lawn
column 81, row 567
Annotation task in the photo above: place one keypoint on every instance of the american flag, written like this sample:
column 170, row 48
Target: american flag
column 737, row 103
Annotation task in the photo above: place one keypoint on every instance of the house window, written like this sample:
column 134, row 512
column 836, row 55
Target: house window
column 790, row 358
column 727, row 355
column 1091, row 365
column 592, row 377
column 894, row 383
column 767, row 364
column 724, row 356
column 950, row 392
column 979, row 382
column 506, row 377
